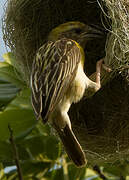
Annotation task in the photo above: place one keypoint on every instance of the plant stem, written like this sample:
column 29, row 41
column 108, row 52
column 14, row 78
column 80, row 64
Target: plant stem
column 15, row 151
column 97, row 169
column 65, row 169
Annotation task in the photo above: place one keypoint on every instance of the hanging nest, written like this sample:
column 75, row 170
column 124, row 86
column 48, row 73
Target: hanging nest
column 101, row 123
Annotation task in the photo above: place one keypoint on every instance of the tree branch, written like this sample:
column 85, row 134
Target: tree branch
column 97, row 170
column 16, row 156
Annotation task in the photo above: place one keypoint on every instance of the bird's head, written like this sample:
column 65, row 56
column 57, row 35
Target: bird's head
column 75, row 30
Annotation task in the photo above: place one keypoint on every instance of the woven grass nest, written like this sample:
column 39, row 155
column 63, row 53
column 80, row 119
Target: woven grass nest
column 101, row 123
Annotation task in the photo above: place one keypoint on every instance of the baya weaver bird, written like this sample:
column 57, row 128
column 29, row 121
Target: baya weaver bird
column 58, row 80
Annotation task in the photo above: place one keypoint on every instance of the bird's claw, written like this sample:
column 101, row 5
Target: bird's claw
column 106, row 68
column 100, row 65
column 103, row 65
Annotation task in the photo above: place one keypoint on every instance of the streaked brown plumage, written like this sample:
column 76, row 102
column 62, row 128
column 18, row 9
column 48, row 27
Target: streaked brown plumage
column 54, row 79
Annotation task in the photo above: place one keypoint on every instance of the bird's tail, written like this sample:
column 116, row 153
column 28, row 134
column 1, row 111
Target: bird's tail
column 72, row 146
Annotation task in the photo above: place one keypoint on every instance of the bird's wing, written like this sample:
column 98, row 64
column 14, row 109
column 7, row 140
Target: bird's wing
column 53, row 70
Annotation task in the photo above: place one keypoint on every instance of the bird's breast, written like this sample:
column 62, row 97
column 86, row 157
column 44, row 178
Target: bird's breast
column 77, row 87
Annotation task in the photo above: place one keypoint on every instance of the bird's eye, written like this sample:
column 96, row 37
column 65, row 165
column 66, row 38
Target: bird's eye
column 77, row 30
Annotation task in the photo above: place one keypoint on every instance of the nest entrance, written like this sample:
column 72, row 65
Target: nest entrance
column 101, row 122
column 27, row 23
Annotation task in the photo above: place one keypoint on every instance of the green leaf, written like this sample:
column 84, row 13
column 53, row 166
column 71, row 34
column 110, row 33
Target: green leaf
column 17, row 70
column 8, row 92
column 55, row 174
column 51, row 147
column 41, row 147
column 19, row 119
column 9, row 73
column 76, row 173
column 2, row 175
column 22, row 101
column 35, row 169
column 9, row 58
column 117, row 169
column 6, row 155
column 12, row 176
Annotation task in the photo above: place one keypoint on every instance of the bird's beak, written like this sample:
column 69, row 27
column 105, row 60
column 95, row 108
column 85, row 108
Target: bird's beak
column 93, row 32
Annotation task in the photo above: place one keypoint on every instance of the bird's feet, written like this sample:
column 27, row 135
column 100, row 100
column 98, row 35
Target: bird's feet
column 100, row 65
column 98, row 72
column 93, row 87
